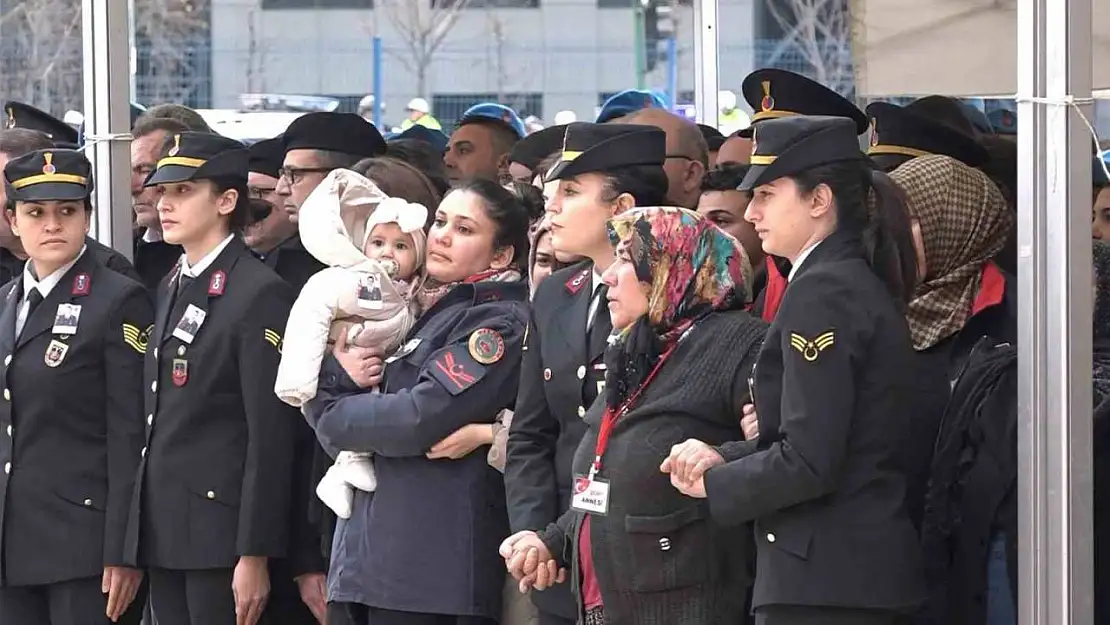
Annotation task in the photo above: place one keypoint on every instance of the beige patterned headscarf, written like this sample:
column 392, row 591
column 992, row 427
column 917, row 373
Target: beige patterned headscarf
column 964, row 222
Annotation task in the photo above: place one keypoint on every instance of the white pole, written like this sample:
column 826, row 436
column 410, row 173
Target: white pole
column 107, row 114
column 1055, row 576
column 705, row 61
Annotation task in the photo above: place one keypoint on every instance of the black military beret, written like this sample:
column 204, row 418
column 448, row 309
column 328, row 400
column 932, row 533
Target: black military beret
column 266, row 157
column 20, row 115
column 431, row 136
column 590, row 147
column 531, row 150
column 336, row 132
column 774, row 93
column 900, row 134
column 49, row 175
column 199, row 156
column 791, row 145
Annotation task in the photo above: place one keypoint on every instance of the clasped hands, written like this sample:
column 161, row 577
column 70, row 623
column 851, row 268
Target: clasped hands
column 690, row 459
column 530, row 562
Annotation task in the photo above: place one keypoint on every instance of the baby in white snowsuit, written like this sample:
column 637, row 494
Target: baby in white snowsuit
column 364, row 294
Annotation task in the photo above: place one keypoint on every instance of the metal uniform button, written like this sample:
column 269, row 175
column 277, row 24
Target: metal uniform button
column 150, row 419
column 7, row 395
column 547, row 375
column 7, row 360
column 7, row 467
column 181, row 350
column 9, row 430
column 664, row 544
column 156, row 353
column 770, row 538
column 211, row 494
column 581, row 412
column 88, row 502
column 582, row 372
column 153, row 387
column 143, row 453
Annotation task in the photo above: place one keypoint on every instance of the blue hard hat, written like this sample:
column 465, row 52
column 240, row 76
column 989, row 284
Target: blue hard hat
column 628, row 101
column 492, row 111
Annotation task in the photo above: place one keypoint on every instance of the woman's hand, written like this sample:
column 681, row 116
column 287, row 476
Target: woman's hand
column 250, row 585
column 121, row 584
column 750, row 422
column 363, row 364
column 687, row 465
column 463, row 441
column 529, row 562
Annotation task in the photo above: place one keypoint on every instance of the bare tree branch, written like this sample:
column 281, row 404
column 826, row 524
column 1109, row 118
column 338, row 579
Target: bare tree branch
column 819, row 32
column 424, row 26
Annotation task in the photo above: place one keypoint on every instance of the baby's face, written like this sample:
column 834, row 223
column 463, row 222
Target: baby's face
column 387, row 241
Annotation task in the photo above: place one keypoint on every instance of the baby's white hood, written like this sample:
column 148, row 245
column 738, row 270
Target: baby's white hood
column 332, row 221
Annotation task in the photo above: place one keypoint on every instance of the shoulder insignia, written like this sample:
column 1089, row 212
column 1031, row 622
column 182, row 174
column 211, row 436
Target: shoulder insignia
column 575, row 284
column 136, row 339
column 486, row 346
column 810, row 349
column 81, row 284
column 217, row 283
column 273, row 338
column 456, row 369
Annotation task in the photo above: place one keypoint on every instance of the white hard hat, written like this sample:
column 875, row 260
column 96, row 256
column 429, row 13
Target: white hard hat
column 73, row 118
column 420, row 105
column 565, row 117
column 726, row 100
column 367, row 102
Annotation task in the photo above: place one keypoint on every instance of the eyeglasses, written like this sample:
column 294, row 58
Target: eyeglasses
column 259, row 193
column 293, row 175
column 682, row 156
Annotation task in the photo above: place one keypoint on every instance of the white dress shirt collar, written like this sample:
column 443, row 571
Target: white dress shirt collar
column 205, row 262
column 47, row 284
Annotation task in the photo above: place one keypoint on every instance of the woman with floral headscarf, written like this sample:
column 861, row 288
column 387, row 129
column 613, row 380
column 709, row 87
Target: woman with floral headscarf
column 677, row 368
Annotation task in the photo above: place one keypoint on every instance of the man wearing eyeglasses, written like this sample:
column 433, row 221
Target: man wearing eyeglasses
column 317, row 143
column 687, row 153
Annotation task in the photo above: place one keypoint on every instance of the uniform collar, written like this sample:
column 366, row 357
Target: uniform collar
column 47, row 284
column 205, row 262
column 797, row 264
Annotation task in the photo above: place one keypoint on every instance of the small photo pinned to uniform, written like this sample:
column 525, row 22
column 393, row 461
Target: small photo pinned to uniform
column 55, row 353
column 189, row 325
column 370, row 292
column 65, row 320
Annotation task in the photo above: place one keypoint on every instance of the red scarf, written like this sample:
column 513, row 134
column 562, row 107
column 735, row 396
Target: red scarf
column 774, row 291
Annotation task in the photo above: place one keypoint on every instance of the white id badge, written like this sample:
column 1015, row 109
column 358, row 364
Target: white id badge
column 590, row 495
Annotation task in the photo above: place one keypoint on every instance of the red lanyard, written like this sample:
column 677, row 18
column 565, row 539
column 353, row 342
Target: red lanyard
column 609, row 419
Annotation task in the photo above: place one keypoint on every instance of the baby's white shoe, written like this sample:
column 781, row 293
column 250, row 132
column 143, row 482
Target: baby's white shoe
column 357, row 470
column 336, row 494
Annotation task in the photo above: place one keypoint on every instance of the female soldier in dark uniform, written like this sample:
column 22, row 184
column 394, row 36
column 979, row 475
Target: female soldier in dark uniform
column 211, row 505
column 603, row 170
column 833, row 387
column 72, row 338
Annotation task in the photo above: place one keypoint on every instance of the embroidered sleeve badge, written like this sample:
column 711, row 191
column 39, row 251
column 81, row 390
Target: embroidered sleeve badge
column 811, row 349
column 273, row 338
column 135, row 338
column 486, row 346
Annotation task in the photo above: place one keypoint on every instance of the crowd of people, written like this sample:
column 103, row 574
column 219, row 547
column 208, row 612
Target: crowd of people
column 621, row 372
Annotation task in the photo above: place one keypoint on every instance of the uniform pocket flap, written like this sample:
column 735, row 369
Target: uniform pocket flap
column 793, row 539
column 662, row 524
column 92, row 496
column 213, row 491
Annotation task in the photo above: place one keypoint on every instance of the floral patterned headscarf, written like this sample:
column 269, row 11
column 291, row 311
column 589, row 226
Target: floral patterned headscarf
column 690, row 267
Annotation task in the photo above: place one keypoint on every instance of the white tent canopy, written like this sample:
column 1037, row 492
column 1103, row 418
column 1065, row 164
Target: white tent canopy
column 949, row 47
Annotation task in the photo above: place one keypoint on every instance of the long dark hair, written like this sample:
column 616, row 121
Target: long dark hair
column 871, row 205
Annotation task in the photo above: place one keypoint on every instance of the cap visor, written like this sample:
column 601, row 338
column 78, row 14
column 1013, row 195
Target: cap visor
column 170, row 173
column 745, row 132
column 47, row 191
column 888, row 162
column 557, row 172
column 752, row 178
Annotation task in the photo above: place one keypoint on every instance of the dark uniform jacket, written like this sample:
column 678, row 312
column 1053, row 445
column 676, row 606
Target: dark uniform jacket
column 11, row 265
column 459, row 365
column 292, row 262
column 833, row 390
column 73, row 423
column 154, row 260
column 659, row 557
column 214, row 481
column 562, row 374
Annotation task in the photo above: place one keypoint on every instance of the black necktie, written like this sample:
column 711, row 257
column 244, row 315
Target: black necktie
column 34, row 298
column 183, row 282
column 601, row 309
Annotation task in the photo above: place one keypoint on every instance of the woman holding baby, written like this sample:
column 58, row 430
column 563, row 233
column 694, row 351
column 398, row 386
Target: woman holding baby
column 422, row 548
